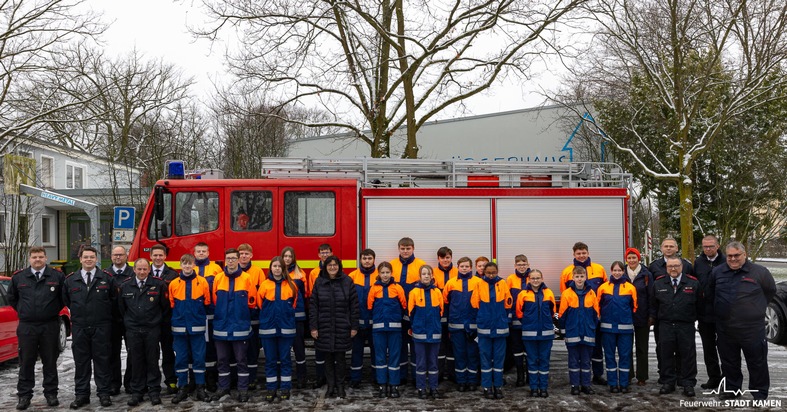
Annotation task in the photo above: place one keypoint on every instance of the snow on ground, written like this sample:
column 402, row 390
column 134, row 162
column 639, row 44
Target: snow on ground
column 640, row 399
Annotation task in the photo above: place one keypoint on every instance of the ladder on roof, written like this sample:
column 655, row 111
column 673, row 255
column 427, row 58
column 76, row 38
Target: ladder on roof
column 374, row 172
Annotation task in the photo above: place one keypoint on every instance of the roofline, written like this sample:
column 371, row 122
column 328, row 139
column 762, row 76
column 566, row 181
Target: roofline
column 272, row 182
column 351, row 135
column 43, row 144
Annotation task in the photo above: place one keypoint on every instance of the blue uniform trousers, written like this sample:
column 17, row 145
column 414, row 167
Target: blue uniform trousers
column 465, row 358
column 492, row 352
column 189, row 350
column 362, row 339
column 516, row 346
column 253, row 352
column 278, row 362
column 598, row 354
column 299, row 349
column 618, row 370
column 225, row 351
column 538, row 353
column 579, row 364
column 426, row 369
column 445, row 358
column 407, row 354
column 387, row 348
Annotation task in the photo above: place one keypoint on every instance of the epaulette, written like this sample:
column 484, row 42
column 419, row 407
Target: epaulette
column 692, row 277
column 660, row 277
column 14, row 274
column 127, row 278
column 70, row 274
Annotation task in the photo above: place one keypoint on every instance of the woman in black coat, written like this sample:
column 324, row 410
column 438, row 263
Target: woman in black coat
column 642, row 280
column 333, row 316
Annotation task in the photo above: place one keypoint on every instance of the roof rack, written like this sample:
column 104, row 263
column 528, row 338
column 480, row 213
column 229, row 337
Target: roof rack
column 374, row 172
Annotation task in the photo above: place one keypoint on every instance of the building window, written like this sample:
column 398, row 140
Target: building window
column 309, row 213
column 74, row 176
column 47, row 168
column 47, row 230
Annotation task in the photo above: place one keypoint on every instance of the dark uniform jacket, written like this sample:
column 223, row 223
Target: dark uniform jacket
column 702, row 271
column 659, row 267
column 167, row 275
column 680, row 306
column 143, row 308
column 128, row 272
column 741, row 296
column 91, row 305
column 334, row 312
column 37, row 301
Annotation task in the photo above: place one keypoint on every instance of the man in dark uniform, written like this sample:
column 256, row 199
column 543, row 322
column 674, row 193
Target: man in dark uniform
column 160, row 270
column 143, row 302
column 121, row 271
column 675, row 303
column 710, row 258
column 36, row 295
column 90, row 294
column 742, row 291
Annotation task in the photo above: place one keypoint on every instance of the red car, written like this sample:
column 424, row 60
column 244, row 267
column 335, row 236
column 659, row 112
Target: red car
column 9, row 320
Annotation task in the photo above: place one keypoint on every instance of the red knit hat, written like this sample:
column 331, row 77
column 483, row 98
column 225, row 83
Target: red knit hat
column 634, row 251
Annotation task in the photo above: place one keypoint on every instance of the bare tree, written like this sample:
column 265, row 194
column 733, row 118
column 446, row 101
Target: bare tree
column 694, row 66
column 32, row 34
column 378, row 66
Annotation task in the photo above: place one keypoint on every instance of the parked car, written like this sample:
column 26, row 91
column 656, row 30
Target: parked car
column 776, row 316
column 9, row 320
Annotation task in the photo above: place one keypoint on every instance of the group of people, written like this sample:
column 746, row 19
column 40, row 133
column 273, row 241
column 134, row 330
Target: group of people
column 423, row 323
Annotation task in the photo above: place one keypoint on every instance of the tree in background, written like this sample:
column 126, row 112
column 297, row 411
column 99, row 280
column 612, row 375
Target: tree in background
column 670, row 79
column 32, row 36
column 378, row 66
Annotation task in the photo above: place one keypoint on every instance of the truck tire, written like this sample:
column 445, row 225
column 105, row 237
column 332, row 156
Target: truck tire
column 62, row 339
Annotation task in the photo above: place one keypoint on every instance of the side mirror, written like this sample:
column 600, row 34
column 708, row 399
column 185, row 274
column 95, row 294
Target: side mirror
column 158, row 205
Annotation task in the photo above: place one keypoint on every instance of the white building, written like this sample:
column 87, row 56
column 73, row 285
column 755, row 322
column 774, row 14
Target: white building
column 541, row 134
column 58, row 227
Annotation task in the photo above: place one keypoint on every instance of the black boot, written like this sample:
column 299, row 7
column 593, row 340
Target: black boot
column 498, row 393
column 520, row 376
column 382, row 391
column 340, row 392
column 202, row 395
column 394, row 392
column 182, row 395
column 211, row 381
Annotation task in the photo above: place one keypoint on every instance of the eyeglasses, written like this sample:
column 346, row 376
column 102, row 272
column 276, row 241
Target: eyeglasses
column 710, row 247
column 734, row 255
column 674, row 266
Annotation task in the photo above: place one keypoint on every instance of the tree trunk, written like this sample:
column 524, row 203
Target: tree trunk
column 685, row 188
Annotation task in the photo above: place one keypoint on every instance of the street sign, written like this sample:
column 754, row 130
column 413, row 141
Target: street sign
column 124, row 218
column 122, row 236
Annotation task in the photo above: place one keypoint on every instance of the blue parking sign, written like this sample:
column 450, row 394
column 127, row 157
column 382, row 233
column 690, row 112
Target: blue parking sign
column 124, row 217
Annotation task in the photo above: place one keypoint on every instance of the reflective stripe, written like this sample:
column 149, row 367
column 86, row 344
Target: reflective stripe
column 471, row 370
column 289, row 331
column 606, row 325
column 271, row 379
column 302, row 362
column 378, row 325
column 472, row 326
column 255, row 322
column 456, row 326
column 224, row 374
column 516, row 323
column 436, row 336
column 563, row 331
column 532, row 372
column 242, row 333
column 393, row 368
column 624, row 370
column 198, row 329
column 199, row 370
column 449, row 358
column 355, row 368
column 210, row 317
column 300, row 314
column 520, row 354
column 251, row 366
column 612, row 369
column 286, row 378
column 420, row 373
column 572, row 340
column 501, row 331
column 267, row 331
column 405, row 317
column 233, row 365
column 529, row 333
column 319, row 362
column 460, row 370
column 585, row 370
column 419, row 336
column 379, row 366
column 443, row 320
column 486, row 370
column 573, row 370
column 210, row 364
column 548, row 332
column 544, row 372
column 497, row 370
column 219, row 333
column 596, row 359
column 179, row 329
column 243, row 374
column 626, row 327
column 181, row 370
column 484, row 331
column 592, row 340
column 364, row 322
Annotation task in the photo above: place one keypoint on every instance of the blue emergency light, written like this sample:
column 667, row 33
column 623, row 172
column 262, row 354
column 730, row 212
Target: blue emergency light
column 176, row 169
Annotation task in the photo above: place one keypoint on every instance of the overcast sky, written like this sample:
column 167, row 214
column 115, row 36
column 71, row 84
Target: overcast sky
column 158, row 28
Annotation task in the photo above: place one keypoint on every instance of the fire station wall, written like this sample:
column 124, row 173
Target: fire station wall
column 545, row 229
column 461, row 224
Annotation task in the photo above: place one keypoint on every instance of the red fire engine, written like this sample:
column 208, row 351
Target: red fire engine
column 492, row 209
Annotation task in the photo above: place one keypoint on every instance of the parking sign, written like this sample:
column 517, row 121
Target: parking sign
column 124, row 218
